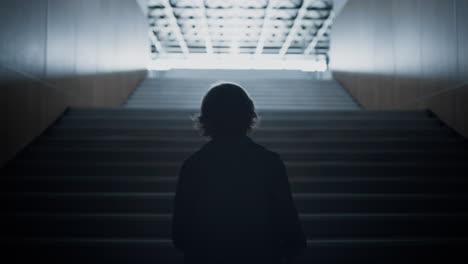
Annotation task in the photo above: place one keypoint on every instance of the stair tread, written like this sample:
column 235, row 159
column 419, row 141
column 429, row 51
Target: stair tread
column 366, row 183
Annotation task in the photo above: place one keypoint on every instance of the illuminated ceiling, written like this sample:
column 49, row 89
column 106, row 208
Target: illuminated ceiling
column 278, row 29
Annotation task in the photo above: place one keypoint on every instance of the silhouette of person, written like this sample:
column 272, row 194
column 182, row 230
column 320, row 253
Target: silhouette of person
column 233, row 202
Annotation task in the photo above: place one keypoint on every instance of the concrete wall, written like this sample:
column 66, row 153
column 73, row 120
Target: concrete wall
column 405, row 54
column 59, row 53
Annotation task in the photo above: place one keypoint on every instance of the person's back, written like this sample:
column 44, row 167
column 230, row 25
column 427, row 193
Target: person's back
column 233, row 202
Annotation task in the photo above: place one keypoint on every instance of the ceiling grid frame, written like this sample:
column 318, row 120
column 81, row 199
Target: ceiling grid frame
column 255, row 28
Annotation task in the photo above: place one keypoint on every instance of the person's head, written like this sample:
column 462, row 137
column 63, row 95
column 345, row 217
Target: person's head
column 226, row 110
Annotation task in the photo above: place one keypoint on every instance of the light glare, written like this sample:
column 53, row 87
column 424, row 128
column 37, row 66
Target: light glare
column 239, row 62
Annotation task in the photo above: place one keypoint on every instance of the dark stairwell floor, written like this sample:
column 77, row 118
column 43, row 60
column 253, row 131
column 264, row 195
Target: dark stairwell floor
column 370, row 186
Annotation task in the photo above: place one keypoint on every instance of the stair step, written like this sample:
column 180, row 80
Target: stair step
column 248, row 86
column 306, row 114
column 173, row 154
column 258, row 94
column 412, row 114
column 75, row 168
column 250, row 91
column 406, row 250
column 310, row 184
column 370, row 186
column 162, row 203
column 269, row 118
column 194, row 107
column 273, row 100
column 263, row 124
column 254, row 94
column 310, row 99
column 280, row 100
column 364, row 144
column 317, row 226
column 261, row 105
column 322, row 133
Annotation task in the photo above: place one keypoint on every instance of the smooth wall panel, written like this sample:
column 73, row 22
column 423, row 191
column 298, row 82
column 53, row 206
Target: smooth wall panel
column 105, row 54
column 407, row 49
column 411, row 54
column 87, row 31
column 461, row 109
column 60, row 53
column 63, row 27
column 462, row 26
column 21, row 95
column 61, row 39
column 364, row 53
column 345, row 56
column 85, row 48
column 443, row 105
column 23, row 36
column 438, row 45
column 364, row 34
column 53, row 103
column 5, row 79
column 383, row 59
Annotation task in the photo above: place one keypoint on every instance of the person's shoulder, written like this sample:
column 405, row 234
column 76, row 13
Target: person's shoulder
column 204, row 153
column 265, row 152
column 194, row 156
column 192, row 159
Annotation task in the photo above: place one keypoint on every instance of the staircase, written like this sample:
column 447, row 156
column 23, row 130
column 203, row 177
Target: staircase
column 370, row 186
column 278, row 94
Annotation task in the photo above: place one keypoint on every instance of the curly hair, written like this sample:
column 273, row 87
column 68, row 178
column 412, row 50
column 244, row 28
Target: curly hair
column 226, row 110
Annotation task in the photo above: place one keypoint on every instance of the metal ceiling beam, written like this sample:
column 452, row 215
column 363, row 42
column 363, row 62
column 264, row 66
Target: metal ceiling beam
column 322, row 30
column 151, row 8
column 213, row 22
column 206, row 28
column 255, row 20
column 196, row 26
column 156, row 42
column 235, row 35
column 243, row 50
column 266, row 23
column 169, row 12
column 297, row 22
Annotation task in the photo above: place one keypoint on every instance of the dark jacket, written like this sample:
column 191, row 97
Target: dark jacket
column 233, row 202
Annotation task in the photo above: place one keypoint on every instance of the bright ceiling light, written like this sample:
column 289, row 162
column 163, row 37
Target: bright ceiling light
column 241, row 61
